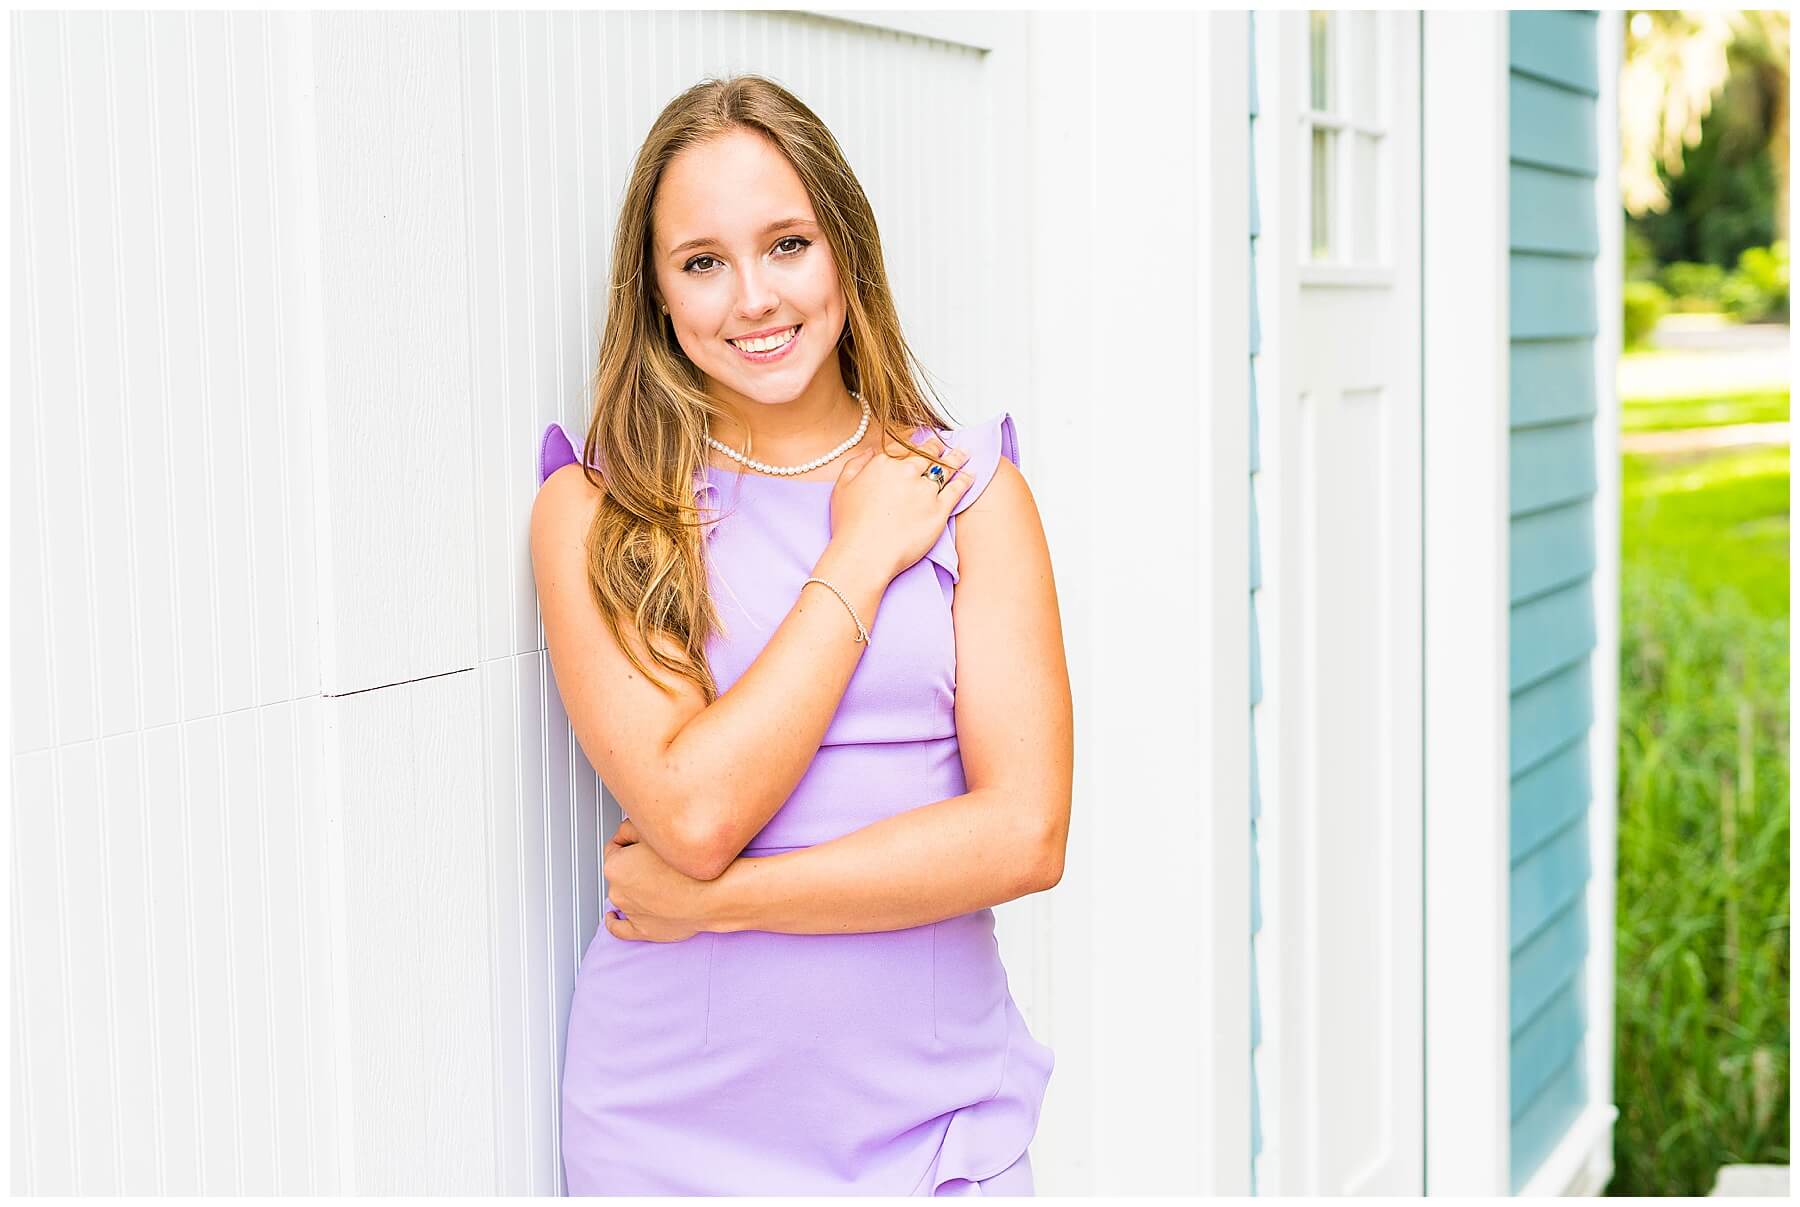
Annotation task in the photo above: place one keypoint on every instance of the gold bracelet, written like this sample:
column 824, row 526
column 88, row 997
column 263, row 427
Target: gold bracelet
column 862, row 634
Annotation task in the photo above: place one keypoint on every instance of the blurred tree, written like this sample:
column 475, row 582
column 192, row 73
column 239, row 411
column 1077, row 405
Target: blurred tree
column 1715, row 82
column 1723, row 200
column 1674, row 64
column 1760, row 53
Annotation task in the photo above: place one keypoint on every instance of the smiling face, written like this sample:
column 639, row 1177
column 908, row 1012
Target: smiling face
column 748, row 277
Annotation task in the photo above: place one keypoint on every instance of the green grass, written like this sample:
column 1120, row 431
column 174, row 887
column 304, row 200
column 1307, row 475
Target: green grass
column 1716, row 521
column 1707, row 410
column 1701, row 1005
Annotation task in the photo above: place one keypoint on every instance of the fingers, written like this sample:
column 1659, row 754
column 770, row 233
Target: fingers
column 921, row 464
column 919, row 461
column 957, row 458
column 853, row 464
column 959, row 482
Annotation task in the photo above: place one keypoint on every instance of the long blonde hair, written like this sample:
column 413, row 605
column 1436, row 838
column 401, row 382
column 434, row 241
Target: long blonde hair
column 646, row 551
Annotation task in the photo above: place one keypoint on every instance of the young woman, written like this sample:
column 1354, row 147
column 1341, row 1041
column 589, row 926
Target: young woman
column 857, row 735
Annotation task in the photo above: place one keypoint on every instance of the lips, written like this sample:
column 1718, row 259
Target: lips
column 763, row 344
column 767, row 347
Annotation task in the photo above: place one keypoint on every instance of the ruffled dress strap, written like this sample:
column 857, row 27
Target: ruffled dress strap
column 986, row 443
column 555, row 450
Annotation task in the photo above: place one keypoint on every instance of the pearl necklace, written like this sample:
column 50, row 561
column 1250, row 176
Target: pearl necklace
column 829, row 457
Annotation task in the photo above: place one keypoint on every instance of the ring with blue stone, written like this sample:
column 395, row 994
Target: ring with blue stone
column 937, row 474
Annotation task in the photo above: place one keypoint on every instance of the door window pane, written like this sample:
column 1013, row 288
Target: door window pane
column 1343, row 128
column 1323, row 144
column 1320, row 39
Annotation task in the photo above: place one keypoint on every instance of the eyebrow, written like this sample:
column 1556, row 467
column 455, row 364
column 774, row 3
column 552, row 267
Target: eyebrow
column 703, row 240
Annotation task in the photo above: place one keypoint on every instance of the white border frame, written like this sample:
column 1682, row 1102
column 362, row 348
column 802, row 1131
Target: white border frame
column 1463, row 145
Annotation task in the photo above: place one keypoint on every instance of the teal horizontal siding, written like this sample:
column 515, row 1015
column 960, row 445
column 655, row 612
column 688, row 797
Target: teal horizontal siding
column 1551, row 381
column 1255, row 423
column 1552, row 212
column 1255, row 321
column 1549, row 715
column 1557, row 46
column 1548, row 797
column 1551, row 632
column 1255, row 546
column 1551, row 297
column 1546, row 1042
column 1552, row 309
column 1552, row 126
column 1553, row 313
column 1537, row 1128
column 1551, row 548
column 1546, row 881
column 1256, row 684
column 1551, row 466
column 1546, row 962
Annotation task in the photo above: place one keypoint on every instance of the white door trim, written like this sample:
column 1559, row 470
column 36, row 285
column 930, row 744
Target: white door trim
column 1221, row 355
column 1582, row 1163
column 1151, row 1092
column 1467, row 782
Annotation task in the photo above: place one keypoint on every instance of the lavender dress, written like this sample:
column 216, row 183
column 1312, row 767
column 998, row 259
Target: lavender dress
column 891, row 1062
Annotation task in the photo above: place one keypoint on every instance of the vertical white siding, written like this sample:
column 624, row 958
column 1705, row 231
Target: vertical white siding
column 283, row 861
column 170, row 984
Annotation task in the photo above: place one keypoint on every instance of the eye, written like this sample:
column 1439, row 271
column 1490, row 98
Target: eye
column 801, row 244
column 689, row 266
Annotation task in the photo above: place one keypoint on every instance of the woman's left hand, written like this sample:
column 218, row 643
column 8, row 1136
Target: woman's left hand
column 658, row 903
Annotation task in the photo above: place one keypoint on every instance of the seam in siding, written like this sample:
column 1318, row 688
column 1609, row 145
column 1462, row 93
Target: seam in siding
column 1551, row 835
column 1553, row 588
column 1543, row 1007
column 1560, row 748
column 1543, row 77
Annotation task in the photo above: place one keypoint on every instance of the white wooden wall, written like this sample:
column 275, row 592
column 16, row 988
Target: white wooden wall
column 174, row 926
column 303, row 854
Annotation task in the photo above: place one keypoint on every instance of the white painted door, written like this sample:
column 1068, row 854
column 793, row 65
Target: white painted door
column 1342, row 948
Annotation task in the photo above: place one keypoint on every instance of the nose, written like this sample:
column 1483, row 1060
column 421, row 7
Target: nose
column 756, row 297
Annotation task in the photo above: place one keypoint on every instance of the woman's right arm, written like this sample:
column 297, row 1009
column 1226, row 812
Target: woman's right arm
column 698, row 781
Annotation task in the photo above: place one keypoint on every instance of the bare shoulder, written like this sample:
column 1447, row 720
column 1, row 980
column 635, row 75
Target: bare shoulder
column 1005, row 505
column 1000, row 536
column 563, row 511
